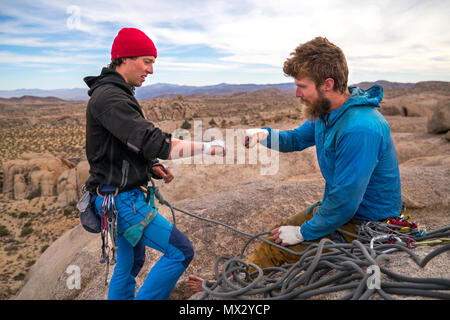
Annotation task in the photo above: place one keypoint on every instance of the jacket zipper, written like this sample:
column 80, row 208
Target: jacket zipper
column 324, row 131
column 326, row 123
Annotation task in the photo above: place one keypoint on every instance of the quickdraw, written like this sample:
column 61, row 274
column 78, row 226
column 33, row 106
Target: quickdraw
column 109, row 217
column 399, row 229
column 405, row 224
column 433, row 242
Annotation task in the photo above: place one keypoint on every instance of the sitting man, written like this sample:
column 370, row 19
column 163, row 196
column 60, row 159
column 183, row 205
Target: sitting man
column 355, row 151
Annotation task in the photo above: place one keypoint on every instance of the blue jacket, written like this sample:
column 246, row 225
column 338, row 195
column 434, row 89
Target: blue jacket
column 357, row 159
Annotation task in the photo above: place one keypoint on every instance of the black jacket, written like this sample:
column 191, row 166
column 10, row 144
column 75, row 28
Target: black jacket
column 121, row 145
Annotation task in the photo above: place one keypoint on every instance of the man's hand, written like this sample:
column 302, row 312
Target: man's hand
column 162, row 172
column 215, row 147
column 253, row 136
column 287, row 235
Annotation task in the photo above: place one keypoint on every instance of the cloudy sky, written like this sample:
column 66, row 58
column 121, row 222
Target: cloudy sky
column 49, row 44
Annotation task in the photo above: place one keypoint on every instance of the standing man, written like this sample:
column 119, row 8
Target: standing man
column 355, row 151
column 122, row 148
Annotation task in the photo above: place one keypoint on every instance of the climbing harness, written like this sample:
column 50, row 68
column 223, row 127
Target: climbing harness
column 109, row 217
column 134, row 233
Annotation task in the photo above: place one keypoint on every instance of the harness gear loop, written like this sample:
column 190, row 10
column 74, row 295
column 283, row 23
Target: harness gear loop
column 101, row 196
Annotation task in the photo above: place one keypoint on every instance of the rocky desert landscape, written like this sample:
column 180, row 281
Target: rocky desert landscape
column 43, row 166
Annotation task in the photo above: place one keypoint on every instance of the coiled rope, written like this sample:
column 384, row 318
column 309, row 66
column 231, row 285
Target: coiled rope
column 347, row 265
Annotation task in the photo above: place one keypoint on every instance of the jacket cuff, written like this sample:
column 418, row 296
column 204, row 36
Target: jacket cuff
column 166, row 147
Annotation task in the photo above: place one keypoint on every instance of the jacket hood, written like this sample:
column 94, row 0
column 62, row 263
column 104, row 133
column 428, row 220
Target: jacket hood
column 358, row 98
column 107, row 76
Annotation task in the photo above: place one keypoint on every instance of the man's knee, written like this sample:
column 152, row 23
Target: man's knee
column 182, row 243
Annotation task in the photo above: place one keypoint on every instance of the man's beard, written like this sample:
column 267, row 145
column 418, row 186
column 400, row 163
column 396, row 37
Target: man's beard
column 314, row 110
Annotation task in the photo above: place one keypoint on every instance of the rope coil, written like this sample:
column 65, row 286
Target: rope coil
column 348, row 262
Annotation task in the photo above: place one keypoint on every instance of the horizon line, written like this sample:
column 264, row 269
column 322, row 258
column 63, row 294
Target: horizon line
column 222, row 83
column 163, row 83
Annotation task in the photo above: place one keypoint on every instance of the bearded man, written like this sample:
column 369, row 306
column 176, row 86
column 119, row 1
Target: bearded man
column 355, row 151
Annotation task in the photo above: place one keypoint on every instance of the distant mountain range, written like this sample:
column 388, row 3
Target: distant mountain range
column 151, row 91
column 75, row 94
column 162, row 89
column 165, row 89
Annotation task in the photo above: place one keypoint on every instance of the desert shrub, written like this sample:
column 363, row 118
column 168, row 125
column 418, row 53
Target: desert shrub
column 26, row 230
column 73, row 204
column 13, row 214
column 23, row 214
column 29, row 263
column 34, row 194
column 12, row 248
column 186, row 125
column 3, row 231
column 20, row 276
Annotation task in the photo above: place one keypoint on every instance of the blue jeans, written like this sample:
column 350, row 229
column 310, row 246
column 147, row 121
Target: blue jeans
column 161, row 235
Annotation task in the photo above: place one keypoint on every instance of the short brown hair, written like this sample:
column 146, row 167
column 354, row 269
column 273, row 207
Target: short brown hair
column 318, row 59
column 117, row 62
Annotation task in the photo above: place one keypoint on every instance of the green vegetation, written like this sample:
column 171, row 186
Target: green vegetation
column 186, row 125
column 27, row 229
column 4, row 231
column 59, row 141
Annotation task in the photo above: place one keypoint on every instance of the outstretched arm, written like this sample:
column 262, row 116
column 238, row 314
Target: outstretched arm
column 284, row 141
column 183, row 148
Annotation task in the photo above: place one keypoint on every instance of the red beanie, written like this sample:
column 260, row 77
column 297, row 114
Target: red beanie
column 132, row 42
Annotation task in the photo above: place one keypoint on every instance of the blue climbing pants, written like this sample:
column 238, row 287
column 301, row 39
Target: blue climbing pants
column 160, row 235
